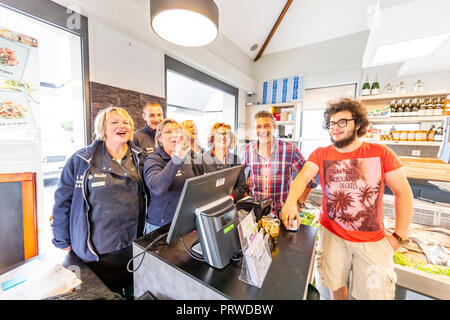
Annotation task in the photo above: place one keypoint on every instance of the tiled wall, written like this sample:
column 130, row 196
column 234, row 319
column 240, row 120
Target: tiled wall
column 103, row 95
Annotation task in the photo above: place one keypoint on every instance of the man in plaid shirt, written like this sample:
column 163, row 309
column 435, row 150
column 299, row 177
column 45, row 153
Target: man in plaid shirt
column 271, row 163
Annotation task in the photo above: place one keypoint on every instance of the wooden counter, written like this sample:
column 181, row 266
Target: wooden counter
column 426, row 168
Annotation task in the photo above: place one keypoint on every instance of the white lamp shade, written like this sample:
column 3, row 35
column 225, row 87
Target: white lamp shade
column 190, row 23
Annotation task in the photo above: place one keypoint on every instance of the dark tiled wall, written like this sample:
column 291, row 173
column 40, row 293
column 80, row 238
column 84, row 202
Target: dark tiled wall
column 103, row 96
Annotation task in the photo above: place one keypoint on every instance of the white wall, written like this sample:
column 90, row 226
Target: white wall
column 118, row 60
column 132, row 19
column 328, row 63
column 433, row 81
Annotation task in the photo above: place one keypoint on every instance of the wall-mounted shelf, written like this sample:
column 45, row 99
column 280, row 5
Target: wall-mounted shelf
column 408, row 95
column 406, row 119
column 285, row 123
column 407, row 143
column 252, row 110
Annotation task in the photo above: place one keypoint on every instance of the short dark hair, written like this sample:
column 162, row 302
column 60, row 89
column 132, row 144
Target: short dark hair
column 265, row 114
column 151, row 104
column 359, row 113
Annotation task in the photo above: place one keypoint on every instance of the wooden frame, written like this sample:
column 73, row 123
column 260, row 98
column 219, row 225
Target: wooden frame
column 30, row 229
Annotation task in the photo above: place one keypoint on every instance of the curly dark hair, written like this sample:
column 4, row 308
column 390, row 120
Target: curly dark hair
column 359, row 113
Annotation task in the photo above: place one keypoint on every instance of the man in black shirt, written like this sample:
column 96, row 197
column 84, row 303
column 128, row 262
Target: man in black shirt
column 152, row 113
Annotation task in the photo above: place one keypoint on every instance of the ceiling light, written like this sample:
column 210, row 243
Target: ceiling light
column 406, row 50
column 190, row 23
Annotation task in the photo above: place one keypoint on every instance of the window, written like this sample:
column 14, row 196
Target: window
column 315, row 101
column 193, row 95
column 62, row 96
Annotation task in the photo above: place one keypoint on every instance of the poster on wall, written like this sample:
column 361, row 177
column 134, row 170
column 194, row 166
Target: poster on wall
column 19, row 83
column 283, row 90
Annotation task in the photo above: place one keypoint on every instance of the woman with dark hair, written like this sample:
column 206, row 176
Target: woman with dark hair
column 221, row 141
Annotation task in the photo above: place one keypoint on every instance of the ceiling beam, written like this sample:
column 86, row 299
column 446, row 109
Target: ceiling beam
column 280, row 18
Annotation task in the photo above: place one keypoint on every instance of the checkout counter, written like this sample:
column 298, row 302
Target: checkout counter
column 168, row 272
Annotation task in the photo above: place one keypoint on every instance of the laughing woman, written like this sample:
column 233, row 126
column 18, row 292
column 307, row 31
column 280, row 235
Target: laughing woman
column 221, row 141
column 165, row 172
column 101, row 200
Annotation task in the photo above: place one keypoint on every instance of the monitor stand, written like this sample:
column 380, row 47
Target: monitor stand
column 198, row 249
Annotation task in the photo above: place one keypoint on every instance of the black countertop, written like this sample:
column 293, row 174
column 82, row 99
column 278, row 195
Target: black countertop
column 287, row 277
column 91, row 288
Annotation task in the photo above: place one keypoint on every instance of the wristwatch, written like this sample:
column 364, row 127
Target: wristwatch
column 301, row 205
column 403, row 241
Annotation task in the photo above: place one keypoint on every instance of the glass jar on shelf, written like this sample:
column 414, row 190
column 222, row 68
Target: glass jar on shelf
column 404, row 135
column 401, row 88
column 388, row 89
column 439, row 107
column 418, row 86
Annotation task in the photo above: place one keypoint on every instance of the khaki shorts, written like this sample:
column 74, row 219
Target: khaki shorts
column 371, row 264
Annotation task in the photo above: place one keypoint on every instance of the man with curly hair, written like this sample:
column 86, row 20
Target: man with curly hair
column 353, row 174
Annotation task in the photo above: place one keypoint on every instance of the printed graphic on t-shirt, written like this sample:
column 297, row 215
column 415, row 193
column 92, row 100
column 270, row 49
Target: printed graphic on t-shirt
column 352, row 189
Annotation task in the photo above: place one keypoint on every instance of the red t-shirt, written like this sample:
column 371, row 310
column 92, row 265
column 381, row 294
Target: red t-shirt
column 353, row 188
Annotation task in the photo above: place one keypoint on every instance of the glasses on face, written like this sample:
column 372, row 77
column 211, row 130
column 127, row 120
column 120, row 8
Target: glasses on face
column 342, row 123
column 222, row 134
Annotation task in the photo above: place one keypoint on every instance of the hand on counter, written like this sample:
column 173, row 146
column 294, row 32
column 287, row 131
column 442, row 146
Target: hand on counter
column 289, row 215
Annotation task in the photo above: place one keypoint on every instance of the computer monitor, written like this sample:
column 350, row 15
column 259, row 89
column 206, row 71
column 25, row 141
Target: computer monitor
column 199, row 192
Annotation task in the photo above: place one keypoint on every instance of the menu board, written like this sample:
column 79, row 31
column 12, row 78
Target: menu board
column 19, row 82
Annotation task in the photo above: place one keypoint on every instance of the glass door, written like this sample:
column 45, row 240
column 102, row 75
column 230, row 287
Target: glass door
column 62, row 112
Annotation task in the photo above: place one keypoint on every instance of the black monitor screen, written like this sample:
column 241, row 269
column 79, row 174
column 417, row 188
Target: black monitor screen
column 197, row 192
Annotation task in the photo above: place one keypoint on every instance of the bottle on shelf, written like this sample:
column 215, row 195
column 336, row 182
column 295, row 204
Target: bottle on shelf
column 400, row 107
column 431, row 133
column 434, row 106
column 422, row 108
column 429, row 107
column 391, row 132
column 407, row 108
column 439, row 133
column 393, row 108
column 439, row 107
column 366, row 88
column 414, row 108
column 375, row 89
column 446, row 107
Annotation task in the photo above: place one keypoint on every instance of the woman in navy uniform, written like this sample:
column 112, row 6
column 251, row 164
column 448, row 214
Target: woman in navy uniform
column 101, row 200
column 221, row 141
column 165, row 172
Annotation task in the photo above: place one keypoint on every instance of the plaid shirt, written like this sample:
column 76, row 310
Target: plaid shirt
column 272, row 177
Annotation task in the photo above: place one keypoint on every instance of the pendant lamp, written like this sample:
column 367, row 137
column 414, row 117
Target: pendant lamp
column 190, row 23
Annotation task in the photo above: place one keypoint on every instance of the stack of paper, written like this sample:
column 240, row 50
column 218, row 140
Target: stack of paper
column 41, row 281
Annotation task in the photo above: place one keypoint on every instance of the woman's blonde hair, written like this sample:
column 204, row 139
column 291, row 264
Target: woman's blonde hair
column 102, row 116
column 213, row 131
column 160, row 129
column 187, row 125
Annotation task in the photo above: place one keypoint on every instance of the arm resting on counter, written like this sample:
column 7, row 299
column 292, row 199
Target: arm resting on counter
column 298, row 190
column 396, row 181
